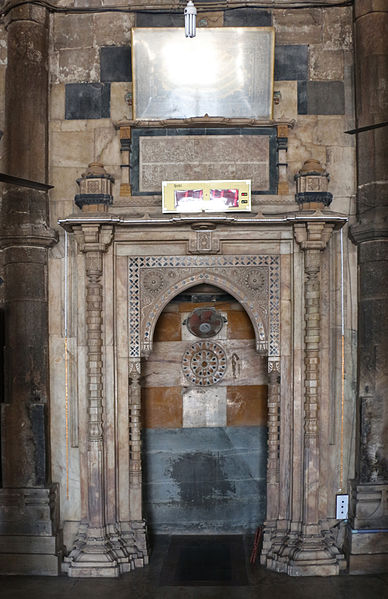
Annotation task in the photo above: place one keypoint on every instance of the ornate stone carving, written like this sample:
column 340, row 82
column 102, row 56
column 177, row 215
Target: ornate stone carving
column 253, row 280
column 135, row 427
column 204, row 242
column 204, row 363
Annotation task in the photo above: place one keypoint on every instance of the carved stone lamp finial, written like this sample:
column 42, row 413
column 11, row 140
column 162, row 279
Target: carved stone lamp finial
column 95, row 189
column 311, row 186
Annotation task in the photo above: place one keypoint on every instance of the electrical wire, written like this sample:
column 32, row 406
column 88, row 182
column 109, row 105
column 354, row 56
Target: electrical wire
column 342, row 366
column 66, row 367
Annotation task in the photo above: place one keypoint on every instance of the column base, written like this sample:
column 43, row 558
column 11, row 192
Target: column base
column 30, row 542
column 298, row 554
column 92, row 555
column 367, row 533
column 107, row 552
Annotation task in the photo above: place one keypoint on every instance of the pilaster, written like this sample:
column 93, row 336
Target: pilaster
column 94, row 554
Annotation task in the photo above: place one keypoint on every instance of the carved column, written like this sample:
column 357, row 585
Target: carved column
column 135, row 533
column 312, row 554
column 94, row 554
column 369, row 510
column 28, row 500
column 272, row 540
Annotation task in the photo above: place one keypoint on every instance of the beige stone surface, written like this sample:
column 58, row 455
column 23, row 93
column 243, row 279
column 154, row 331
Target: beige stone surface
column 78, row 65
column 71, row 148
column 337, row 28
column 107, row 146
column 330, row 131
column 113, row 29
column 72, row 31
column 57, row 101
column 64, row 180
column 326, row 64
column 119, row 108
column 287, row 109
column 298, row 26
column 341, row 166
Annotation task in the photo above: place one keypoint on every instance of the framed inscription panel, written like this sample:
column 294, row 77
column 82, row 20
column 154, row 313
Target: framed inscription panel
column 203, row 154
column 222, row 72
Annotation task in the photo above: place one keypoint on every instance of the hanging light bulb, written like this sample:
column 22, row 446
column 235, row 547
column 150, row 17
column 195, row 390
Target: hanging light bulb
column 190, row 17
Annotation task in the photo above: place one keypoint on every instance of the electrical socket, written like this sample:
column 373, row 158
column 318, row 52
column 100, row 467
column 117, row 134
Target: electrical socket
column 342, row 507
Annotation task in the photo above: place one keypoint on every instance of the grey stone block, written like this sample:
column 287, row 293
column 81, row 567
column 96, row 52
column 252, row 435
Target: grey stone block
column 325, row 97
column 115, row 63
column 247, row 17
column 144, row 19
column 291, row 62
column 87, row 100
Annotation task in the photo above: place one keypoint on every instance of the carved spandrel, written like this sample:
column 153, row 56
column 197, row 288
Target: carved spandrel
column 159, row 285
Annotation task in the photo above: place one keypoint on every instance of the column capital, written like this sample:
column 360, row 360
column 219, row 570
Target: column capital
column 313, row 235
column 93, row 237
column 26, row 11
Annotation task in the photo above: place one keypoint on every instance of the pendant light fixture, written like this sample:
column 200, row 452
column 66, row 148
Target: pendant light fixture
column 190, row 19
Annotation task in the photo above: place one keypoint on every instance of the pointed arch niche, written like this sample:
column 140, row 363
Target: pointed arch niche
column 254, row 283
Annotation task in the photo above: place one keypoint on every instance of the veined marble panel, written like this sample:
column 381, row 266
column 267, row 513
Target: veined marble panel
column 204, row 407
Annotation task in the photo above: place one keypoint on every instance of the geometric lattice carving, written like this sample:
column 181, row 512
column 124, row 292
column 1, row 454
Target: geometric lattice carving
column 204, row 363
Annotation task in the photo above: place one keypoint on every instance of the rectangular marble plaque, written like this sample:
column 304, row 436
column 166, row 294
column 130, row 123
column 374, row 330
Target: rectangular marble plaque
column 222, row 72
column 203, row 157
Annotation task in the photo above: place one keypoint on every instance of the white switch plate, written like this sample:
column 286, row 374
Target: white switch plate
column 342, row 507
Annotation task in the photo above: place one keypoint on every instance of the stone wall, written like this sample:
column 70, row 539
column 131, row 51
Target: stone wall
column 91, row 89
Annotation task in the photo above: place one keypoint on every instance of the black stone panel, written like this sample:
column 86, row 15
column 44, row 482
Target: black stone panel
column 325, row 97
column 115, row 63
column 87, row 101
column 291, row 62
column 147, row 19
column 247, row 17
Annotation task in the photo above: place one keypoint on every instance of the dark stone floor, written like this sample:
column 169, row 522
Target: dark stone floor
column 146, row 583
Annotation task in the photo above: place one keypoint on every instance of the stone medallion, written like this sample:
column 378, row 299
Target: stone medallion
column 204, row 363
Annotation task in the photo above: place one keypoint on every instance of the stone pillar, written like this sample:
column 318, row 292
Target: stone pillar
column 313, row 553
column 368, row 552
column 94, row 555
column 28, row 502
